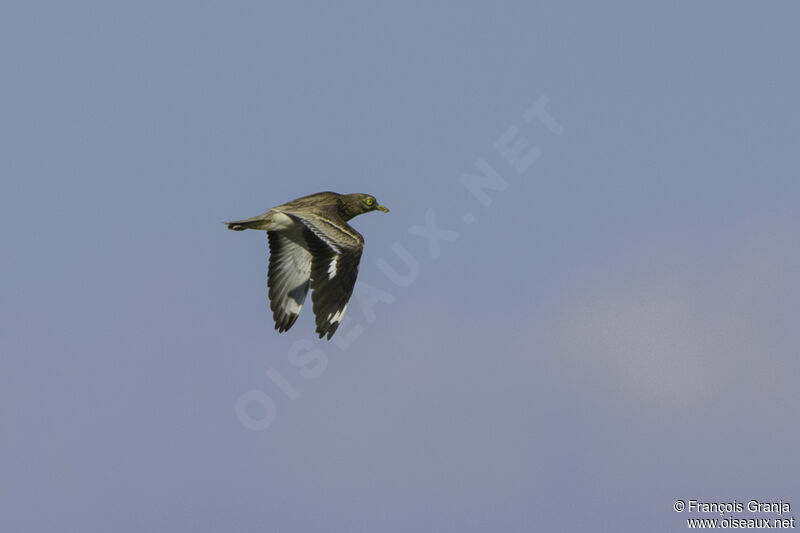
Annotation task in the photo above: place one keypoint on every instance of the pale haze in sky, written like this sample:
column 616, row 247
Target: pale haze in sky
column 581, row 308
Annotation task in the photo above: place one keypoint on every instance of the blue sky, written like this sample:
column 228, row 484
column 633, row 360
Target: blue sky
column 615, row 330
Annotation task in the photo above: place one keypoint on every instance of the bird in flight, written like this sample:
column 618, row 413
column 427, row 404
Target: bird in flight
column 312, row 245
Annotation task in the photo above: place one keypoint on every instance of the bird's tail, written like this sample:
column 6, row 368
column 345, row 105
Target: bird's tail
column 259, row 222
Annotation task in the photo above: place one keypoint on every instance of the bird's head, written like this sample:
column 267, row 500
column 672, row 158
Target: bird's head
column 358, row 203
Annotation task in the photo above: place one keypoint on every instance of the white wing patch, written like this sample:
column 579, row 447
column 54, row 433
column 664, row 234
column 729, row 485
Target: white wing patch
column 332, row 267
column 335, row 318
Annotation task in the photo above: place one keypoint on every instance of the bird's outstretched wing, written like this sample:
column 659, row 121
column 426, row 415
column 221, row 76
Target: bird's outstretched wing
column 335, row 254
column 288, row 277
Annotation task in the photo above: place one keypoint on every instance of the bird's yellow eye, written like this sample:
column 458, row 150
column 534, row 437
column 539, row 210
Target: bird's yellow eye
column 369, row 201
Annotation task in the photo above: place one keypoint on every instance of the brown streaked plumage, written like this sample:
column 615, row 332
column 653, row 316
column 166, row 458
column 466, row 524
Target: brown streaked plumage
column 312, row 245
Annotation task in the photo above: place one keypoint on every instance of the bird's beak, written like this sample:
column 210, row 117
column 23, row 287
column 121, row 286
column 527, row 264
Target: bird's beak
column 382, row 208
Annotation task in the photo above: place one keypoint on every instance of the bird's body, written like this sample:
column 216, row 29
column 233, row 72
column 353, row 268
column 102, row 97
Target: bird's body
column 312, row 246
